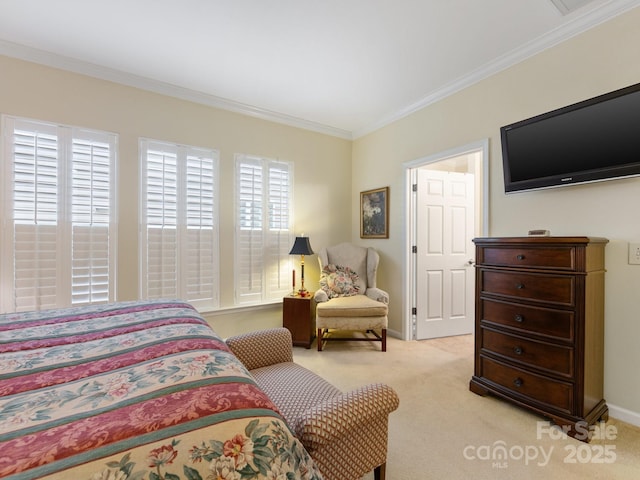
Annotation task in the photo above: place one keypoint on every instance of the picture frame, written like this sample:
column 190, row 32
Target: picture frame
column 374, row 213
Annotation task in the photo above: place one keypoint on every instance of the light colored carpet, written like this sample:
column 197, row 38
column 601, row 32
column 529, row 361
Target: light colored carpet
column 442, row 430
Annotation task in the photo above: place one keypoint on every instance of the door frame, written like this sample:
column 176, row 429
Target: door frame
column 409, row 263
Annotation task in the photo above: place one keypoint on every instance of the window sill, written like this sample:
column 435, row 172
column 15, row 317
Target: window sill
column 241, row 308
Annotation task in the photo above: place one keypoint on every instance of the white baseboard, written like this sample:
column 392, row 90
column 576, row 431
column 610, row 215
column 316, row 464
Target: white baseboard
column 625, row 415
column 394, row 333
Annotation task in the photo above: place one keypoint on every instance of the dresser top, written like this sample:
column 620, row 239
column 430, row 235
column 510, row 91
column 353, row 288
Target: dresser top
column 539, row 240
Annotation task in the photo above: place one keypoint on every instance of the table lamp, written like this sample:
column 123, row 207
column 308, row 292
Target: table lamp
column 301, row 247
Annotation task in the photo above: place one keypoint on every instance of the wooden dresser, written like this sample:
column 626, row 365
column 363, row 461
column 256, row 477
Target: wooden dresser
column 539, row 326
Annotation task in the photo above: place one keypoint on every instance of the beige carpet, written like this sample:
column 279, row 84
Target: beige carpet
column 443, row 431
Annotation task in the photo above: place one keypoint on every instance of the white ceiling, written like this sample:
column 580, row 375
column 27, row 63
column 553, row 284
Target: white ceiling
column 344, row 67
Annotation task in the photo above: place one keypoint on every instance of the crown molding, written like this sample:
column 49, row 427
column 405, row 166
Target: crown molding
column 61, row 62
column 578, row 25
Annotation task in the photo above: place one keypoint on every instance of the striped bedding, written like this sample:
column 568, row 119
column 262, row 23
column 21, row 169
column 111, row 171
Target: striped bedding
column 134, row 390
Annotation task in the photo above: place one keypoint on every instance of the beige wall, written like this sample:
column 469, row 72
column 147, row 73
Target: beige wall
column 322, row 170
column 601, row 60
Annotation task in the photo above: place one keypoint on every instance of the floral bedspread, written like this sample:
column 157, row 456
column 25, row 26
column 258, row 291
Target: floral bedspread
column 134, row 390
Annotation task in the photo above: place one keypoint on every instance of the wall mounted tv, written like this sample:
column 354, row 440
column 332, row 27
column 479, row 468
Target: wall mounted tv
column 597, row 139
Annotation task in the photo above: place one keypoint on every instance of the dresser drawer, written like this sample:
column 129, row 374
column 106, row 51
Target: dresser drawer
column 531, row 257
column 553, row 358
column 528, row 319
column 541, row 389
column 556, row 289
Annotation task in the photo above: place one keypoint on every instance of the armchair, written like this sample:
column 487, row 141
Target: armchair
column 348, row 298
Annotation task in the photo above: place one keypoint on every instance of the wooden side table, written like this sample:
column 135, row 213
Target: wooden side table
column 299, row 317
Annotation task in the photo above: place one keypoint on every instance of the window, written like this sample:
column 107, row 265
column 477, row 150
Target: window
column 59, row 210
column 179, row 235
column 263, row 229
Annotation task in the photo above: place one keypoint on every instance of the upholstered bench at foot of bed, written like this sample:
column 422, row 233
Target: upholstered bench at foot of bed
column 345, row 433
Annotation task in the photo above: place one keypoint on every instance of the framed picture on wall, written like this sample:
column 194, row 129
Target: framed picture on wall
column 374, row 213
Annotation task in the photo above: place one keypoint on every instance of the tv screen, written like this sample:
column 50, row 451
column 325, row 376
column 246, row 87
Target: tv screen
column 597, row 139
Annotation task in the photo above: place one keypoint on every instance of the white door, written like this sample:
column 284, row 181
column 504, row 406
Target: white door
column 445, row 254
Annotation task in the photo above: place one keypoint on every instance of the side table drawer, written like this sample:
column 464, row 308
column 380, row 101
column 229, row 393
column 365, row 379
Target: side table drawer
column 541, row 389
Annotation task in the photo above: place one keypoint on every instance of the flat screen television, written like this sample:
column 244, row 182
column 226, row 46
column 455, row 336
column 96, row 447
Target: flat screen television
column 593, row 140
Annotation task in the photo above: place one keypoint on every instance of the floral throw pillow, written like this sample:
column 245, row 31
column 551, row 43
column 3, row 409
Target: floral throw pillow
column 339, row 281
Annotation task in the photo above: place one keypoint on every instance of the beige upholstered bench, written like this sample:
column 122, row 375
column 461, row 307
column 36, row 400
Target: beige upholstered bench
column 345, row 433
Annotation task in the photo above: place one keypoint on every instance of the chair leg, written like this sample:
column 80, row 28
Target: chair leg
column 380, row 472
column 379, row 337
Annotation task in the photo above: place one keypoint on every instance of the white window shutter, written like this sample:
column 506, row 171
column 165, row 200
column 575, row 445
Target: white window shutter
column 59, row 236
column 201, row 238
column 35, row 180
column 250, row 242
column 263, row 230
column 161, row 212
column 35, row 274
column 279, row 234
column 179, row 244
column 92, row 235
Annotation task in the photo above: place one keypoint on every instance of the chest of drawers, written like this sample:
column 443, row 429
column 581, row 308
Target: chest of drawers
column 539, row 326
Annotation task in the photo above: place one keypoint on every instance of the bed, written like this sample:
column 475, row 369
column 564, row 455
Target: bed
column 134, row 390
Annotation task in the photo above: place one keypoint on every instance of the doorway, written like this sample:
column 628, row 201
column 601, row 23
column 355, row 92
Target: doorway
column 447, row 208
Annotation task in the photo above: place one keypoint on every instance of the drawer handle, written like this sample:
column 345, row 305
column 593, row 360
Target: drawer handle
column 520, row 257
column 519, row 318
column 518, row 382
column 519, row 286
column 518, row 350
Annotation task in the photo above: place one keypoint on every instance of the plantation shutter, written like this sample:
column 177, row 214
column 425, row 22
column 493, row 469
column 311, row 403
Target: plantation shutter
column 57, row 212
column 249, row 236
column 263, row 231
column 280, row 239
column 161, row 224
column 201, row 274
column 35, row 186
column 180, row 234
column 91, row 219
